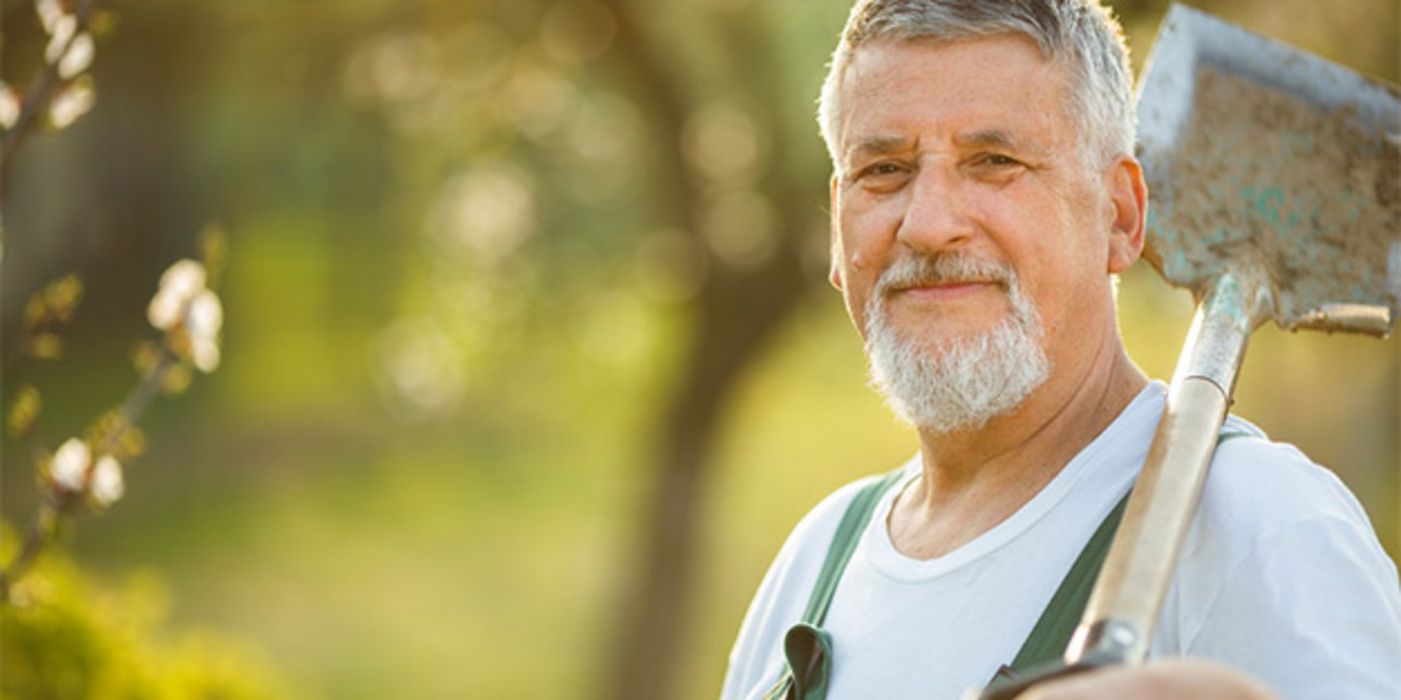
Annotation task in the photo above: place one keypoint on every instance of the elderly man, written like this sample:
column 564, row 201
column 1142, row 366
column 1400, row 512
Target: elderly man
column 985, row 193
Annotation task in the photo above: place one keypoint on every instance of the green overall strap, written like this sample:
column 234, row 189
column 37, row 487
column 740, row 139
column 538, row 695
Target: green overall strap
column 1051, row 635
column 1052, row 632
column 844, row 542
column 807, row 646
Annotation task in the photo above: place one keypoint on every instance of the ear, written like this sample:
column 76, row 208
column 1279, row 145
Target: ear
column 834, row 274
column 1128, row 196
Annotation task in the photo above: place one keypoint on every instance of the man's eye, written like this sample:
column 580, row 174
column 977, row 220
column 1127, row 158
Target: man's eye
column 999, row 159
column 880, row 169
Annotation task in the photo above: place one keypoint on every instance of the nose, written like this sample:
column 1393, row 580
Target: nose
column 936, row 213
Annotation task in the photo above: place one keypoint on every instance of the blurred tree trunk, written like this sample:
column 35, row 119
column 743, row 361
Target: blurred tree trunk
column 737, row 315
column 734, row 313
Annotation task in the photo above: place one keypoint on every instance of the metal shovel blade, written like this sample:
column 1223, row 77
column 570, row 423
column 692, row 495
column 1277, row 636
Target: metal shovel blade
column 1259, row 154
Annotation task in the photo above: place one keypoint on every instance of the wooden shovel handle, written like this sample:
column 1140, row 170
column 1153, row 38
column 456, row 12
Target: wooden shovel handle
column 1123, row 609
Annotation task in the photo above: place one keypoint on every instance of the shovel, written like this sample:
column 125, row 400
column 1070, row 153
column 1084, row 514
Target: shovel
column 1276, row 197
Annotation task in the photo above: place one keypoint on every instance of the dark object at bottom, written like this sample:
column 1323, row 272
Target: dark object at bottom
column 1009, row 684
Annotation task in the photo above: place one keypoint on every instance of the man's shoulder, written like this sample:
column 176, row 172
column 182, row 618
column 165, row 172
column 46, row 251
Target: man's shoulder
column 799, row 560
column 1267, row 508
column 1282, row 576
column 1257, row 485
column 784, row 592
column 815, row 530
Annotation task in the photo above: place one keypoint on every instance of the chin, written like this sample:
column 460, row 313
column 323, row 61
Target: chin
column 958, row 380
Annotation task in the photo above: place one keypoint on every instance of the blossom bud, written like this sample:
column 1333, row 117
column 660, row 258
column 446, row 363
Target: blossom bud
column 107, row 485
column 70, row 464
column 179, row 285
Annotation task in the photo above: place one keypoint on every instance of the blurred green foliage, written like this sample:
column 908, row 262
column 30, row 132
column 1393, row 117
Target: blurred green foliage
column 455, row 308
column 68, row 637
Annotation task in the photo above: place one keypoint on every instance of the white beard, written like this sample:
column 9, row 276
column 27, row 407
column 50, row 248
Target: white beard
column 968, row 381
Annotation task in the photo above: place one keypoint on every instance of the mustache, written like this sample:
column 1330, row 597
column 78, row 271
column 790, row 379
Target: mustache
column 945, row 268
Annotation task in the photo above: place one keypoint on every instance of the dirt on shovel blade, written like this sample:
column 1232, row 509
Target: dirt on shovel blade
column 1309, row 196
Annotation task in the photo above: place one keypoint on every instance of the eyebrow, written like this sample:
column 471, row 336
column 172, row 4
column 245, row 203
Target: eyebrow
column 1033, row 147
column 982, row 138
column 879, row 146
column 986, row 137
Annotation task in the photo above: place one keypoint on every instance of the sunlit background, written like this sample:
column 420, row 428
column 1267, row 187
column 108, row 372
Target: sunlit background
column 529, row 365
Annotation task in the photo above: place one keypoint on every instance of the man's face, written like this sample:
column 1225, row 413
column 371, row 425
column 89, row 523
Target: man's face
column 966, row 150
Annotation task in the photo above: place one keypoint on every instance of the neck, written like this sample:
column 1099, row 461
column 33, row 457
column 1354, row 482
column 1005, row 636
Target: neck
column 974, row 479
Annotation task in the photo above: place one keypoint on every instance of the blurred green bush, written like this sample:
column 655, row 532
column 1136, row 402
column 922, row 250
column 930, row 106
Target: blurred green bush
column 66, row 636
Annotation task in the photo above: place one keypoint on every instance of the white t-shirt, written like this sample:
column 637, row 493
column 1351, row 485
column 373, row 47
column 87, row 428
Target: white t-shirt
column 1281, row 576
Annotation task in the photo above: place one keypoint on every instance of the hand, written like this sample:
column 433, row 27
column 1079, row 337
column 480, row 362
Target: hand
column 1170, row 679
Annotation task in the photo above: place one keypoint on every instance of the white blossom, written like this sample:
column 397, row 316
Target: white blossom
column 205, row 319
column 183, row 304
column 180, row 284
column 64, row 28
column 72, row 102
column 9, row 106
column 70, row 464
column 107, row 485
column 50, row 12
column 77, row 58
column 185, row 277
column 205, row 353
column 206, row 315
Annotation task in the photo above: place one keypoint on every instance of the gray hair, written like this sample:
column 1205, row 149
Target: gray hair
column 1081, row 35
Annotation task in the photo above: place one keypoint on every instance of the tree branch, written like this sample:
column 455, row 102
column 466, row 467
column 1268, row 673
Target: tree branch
column 59, row 505
column 40, row 93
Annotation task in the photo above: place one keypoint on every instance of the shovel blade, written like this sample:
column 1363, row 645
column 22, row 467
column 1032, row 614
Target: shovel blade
column 1266, row 159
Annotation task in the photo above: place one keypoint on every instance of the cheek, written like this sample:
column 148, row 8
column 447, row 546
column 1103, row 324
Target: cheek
column 860, row 281
column 859, row 264
column 855, row 294
column 1045, row 242
column 866, row 247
